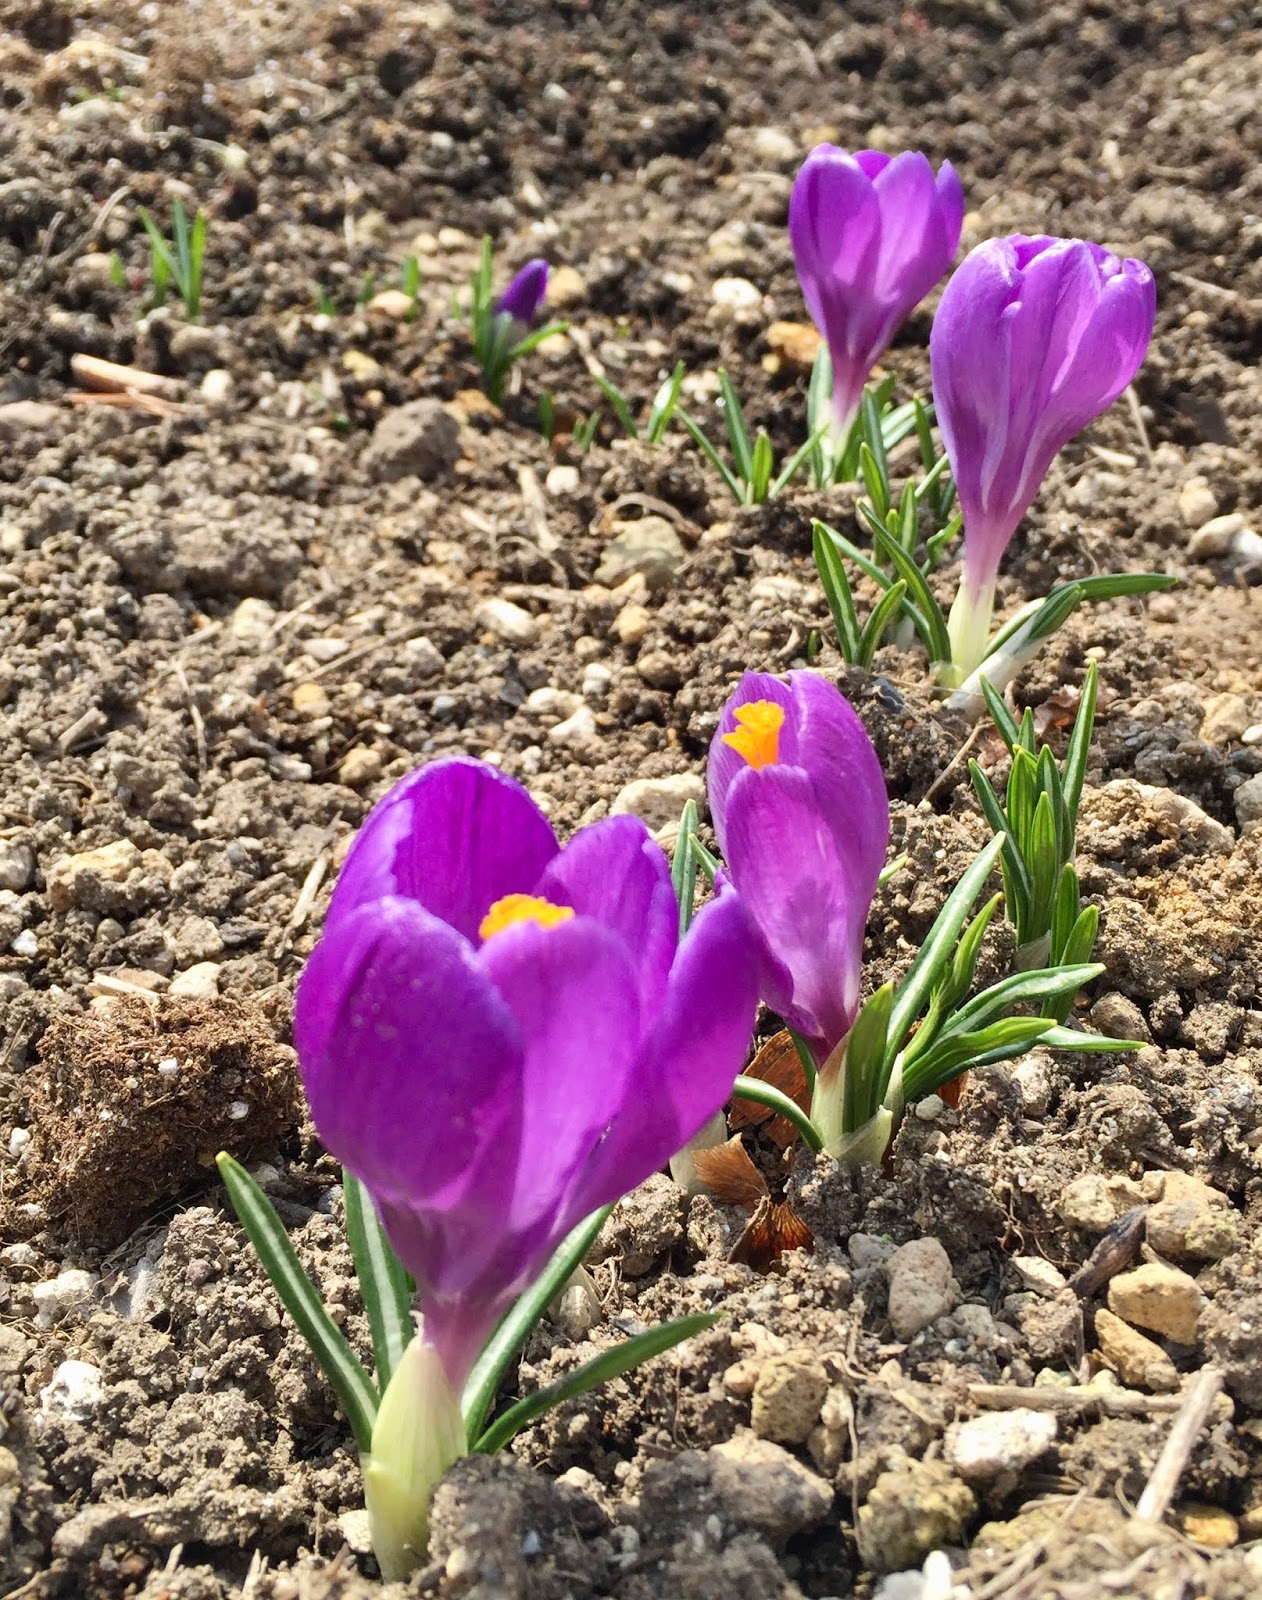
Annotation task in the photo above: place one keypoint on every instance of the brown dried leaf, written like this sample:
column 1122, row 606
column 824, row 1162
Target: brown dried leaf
column 730, row 1175
column 778, row 1064
column 952, row 1093
column 774, row 1228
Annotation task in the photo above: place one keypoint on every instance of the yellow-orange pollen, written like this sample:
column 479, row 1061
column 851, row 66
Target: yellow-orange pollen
column 758, row 737
column 515, row 908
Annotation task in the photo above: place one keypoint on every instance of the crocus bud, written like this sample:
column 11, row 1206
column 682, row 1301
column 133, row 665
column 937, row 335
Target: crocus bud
column 802, row 819
column 524, row 295
column 1033, row 338
column 871, row 236
column 418, row 1434
column 498, row 1035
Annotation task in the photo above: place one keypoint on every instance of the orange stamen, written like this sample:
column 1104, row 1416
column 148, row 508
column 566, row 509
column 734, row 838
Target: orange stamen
column 514, row 908
column 758, row 737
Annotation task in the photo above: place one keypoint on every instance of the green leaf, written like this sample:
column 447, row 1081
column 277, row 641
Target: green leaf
column 706, row 863
column 761, row 463
column 383, row 1283
column 954, row 984
column 1021, row 988
column 328, row 1344
column 836, row 586
column 735, row 486
column 937, row 640
column 951, row 1055
column 803, row 1049
column 664, row 403
column 865, row 563
column 796, row 462
column 737, row 431
column 873, row 482
column 1043, row 860
column 1075, row 771
column 514, row 1330
column 634, row 1352
column 1009, row 730
column 867, row 1054
column 874, row 444
column 879, row 619
column 935, row 952
column 683, row 870
column 1086, row 1043
column 534, row 339
column 1105, row 586
column 1016, row 878
column 766, row 1094
column 618, row 401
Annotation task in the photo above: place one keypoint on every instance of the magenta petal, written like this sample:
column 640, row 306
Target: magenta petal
column 688, row 1060
column 412, row 1066
column 833, row 748
column 795, row 874
column 724, row 764
column 574, row 994
column 1034, row 338
column 454, row 836
column 616, row 872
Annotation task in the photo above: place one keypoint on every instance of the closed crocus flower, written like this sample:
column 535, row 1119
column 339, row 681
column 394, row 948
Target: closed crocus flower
column 802, row 819
column 1034, row 337
column 524, row 295
column 871, row 236
column 498, row 1035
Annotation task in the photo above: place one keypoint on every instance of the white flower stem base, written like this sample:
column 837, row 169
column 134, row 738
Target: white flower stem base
column 418, row 1434
column 968, row 627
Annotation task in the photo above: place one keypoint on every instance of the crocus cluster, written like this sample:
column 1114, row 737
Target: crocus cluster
column 498, row 1035
column 802, row 819
column 871, row 236
column 1034, row 337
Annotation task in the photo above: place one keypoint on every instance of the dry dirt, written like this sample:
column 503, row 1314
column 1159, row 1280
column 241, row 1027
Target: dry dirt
column 230, row 622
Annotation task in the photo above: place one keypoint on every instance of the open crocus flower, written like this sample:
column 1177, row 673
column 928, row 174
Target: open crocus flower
column 1034, row 337
column 802, row 819
column 871, row 236
column 524, row 295
column 498, row 1035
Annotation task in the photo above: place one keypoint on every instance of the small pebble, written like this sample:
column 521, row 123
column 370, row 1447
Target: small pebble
column 507, row 621
column 1159, row 1298
column 577, row 729
column 74, row 1392
column 921, row 1288
column 999, row 1445
column 360, row 765
column 198, row 982
column 1197, row 503
column 56, row 1297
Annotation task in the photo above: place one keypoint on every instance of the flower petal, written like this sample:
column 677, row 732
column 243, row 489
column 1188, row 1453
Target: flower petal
column 412, row 1065
column 689, row 1060
column 616, row 872
column 524, row 295
column 454, row 836
column 724, row 763
column 574, row 994
column 833, row 747
column 799, row 885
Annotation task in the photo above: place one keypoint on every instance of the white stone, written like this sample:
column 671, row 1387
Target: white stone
column 774, row 146
column 1197, row 503
column 57, row 1296
column 252, row 622
column 576, row 729
column 562, row 480
column 507, row 621
column 19, row 1139
column 17, row 865
column 1215, row 537
column 74, row 1392
column 1000, row 1444
column 735, row 294
column 549, row 701
column 596, row 680
column 1040, row 1275
column 216, row 388
column 198, row 982
column 659, row 800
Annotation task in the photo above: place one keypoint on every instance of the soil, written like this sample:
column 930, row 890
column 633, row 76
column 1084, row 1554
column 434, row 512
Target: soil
column 233, row 616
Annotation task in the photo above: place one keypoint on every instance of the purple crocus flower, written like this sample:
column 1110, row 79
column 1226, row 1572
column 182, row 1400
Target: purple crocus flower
column 802, row 819
column 524, row 295
column 871, row 236
column 1034, row 337
column 498, row 1035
